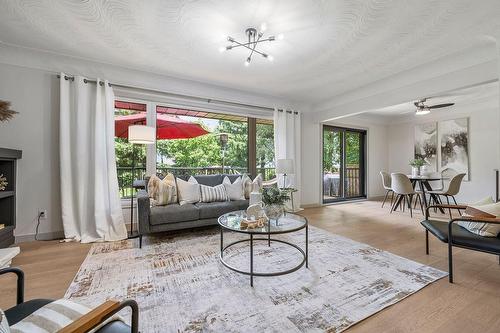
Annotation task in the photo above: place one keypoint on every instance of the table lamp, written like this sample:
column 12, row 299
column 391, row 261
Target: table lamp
column 285, row 167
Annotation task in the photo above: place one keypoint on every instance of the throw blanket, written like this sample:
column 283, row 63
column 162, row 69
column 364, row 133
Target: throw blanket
column 53, row 317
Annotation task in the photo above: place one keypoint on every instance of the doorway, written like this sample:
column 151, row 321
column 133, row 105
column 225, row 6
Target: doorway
column 344, row 157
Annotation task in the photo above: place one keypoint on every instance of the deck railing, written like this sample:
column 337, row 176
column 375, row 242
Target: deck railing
column 125, row 174
column 352, row 179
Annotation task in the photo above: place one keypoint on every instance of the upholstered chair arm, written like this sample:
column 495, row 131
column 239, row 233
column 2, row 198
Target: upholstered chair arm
column 458, row 207
column 143, row 211
column 100, row 314
column 20, row 281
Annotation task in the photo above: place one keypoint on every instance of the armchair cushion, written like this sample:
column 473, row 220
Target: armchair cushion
column 461, row 236
column 23, row 310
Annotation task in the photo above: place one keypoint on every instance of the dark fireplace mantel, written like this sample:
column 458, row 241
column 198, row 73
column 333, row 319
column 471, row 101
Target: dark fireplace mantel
column 8, row 167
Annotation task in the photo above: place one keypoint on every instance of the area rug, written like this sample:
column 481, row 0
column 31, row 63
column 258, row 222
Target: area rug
column 181, row 286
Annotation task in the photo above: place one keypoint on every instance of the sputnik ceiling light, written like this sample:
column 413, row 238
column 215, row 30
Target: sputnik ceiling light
column 255, row 38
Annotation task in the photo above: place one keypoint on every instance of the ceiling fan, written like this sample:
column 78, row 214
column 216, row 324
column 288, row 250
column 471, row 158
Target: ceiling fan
column 425, row 109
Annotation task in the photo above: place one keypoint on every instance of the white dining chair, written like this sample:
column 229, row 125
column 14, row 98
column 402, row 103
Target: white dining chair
column 386, row 183
column 452, row 190
column 403, row 188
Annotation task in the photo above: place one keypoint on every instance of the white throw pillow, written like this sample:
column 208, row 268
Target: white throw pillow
column 4, row 324
column 483, row 208
column 188, row 191
column 213, row 193
column 162, row 191
column 235, row 191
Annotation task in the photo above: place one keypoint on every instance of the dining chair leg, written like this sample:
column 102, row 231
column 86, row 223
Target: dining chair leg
column 410, row 199
column 449, row 210
column 392, row 196
column 385, row 198
column 455, row 201
column 393, row 206
column 403, row 203
column 421, row 205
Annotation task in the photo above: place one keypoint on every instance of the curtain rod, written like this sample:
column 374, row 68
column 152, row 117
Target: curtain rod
column 208, row 100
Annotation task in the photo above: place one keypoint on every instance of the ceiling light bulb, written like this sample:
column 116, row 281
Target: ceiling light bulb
column 247, row 62
column 281, row 36
column 263, row 27
column 222, row 49
column 270, row 58
column 422, row 111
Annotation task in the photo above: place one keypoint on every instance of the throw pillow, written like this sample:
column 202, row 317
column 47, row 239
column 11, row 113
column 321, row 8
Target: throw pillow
column 247, row 185
column 55, row 316
column 4, row 324
column 162, row 191
column 188, row 191
column 235, row 190
column 257, row 183
column 252, row 186
column 483, row 208
column 213, row 193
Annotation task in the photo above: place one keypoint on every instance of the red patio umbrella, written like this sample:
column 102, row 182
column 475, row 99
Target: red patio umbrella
column 167, row 127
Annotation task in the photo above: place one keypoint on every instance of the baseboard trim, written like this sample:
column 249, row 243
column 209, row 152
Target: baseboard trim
column 315, row 205
column 42, row 236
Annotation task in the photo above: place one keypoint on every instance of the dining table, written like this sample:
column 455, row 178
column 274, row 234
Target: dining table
column 423, row 183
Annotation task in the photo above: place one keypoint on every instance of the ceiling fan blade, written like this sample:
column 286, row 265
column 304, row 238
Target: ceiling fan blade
column 417, row 104
column 437, row 106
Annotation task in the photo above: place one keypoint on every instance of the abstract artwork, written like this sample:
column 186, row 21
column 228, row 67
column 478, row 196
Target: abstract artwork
column 454, row 144
column 426, row 144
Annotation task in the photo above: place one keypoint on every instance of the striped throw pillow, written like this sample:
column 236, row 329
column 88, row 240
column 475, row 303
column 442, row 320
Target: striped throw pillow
column 54, row 316
column 213, row 193
column 4, row 325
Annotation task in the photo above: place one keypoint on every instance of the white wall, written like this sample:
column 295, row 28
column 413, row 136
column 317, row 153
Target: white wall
column 28, row 80
column 483, row 145
column 35, row 95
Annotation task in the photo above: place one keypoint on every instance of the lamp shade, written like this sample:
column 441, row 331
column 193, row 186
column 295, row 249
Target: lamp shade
column 284, row 165
column 141, row 134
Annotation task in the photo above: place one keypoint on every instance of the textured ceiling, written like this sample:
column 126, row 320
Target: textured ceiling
column 330, row 46
column 461, row 97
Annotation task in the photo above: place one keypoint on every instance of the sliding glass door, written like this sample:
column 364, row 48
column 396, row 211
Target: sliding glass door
column 343, row 164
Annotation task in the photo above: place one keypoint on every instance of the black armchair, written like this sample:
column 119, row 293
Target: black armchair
column 85, row 323
column 456, row 236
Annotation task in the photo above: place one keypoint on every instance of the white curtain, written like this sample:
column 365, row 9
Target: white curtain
column 91, row 207
column 287, row 145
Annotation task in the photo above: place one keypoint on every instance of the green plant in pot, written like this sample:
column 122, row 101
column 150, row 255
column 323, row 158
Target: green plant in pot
column 274, row 201
column 416, row 164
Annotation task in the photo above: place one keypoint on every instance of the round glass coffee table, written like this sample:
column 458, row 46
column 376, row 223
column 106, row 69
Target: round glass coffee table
column 288, row 223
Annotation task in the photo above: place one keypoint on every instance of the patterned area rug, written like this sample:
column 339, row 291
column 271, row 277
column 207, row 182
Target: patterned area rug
column 181, row 286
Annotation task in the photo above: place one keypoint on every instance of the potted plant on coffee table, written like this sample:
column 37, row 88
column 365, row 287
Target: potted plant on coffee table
column 274, row 201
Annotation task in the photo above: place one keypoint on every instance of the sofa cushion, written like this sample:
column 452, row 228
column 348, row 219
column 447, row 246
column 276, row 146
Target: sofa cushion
column 173, row 213
column 210, row 210
column 240, row 204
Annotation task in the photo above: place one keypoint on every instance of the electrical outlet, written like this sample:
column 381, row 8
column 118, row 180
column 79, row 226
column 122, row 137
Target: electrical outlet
column 42, row 214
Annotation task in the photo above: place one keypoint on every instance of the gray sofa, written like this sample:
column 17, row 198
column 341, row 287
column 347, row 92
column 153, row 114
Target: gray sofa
column 175, row 217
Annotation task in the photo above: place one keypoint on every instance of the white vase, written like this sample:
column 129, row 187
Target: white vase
column 415, row 172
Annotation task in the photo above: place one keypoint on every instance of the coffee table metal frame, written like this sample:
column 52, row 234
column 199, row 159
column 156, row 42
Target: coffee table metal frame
column 252, row 238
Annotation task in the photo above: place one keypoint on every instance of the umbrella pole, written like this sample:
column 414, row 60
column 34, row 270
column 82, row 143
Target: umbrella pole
column 132, row 192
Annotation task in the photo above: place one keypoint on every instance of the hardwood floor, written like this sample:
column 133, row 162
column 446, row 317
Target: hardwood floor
column 471, row 304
